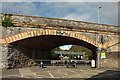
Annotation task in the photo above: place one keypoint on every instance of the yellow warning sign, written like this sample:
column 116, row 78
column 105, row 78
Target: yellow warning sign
column 103, row 54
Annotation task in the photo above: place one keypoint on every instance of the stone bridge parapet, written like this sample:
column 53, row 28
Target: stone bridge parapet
column 44, row 22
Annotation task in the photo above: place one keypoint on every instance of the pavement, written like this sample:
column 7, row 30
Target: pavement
column 54, row 72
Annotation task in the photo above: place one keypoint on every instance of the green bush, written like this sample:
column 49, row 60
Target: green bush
column 7, row 22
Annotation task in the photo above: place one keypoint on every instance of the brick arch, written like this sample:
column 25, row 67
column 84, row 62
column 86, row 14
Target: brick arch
column 110, row 43
column 34, row 33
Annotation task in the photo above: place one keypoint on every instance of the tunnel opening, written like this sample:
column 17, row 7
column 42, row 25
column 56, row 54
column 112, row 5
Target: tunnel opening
column 75, row 52
column 25, row 52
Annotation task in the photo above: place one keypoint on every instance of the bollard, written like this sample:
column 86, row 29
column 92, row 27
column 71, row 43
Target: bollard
column 41, row 64
column 93, row 63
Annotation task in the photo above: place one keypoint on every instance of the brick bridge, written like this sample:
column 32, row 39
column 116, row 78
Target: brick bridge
column 32, row 36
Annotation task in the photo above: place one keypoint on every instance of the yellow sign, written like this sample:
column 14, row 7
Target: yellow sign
column 103, row 54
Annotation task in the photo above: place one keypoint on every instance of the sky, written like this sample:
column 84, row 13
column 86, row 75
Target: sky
column 80, row 11
column 65, row 47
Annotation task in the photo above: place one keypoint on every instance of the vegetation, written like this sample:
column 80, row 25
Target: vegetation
column 77, row 48
column 7, row 22
column 54, row 56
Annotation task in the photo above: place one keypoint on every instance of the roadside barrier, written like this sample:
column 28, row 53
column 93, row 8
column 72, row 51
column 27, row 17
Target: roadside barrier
column 61, row 62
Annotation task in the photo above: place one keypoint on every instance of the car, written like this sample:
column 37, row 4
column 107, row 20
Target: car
column 71, row 63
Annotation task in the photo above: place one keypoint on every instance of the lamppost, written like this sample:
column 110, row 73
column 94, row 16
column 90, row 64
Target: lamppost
column 98, row 53
column 99, row 14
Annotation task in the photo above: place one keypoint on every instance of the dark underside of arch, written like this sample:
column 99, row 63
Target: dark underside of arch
column 49, row 42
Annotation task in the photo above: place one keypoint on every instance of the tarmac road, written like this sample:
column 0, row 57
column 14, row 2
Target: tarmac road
column 60, row 72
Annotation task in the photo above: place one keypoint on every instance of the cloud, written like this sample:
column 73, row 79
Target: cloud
column 19, row 8
column 71, row 10
column 85, row 12
column 60, row 0
column 16, row 0
column 65, row 47
column 119, row 13
column 79, row 17
column 109, row 13
column 89, row 13
column 0, row 7
column 81, row 11
column 58, row 9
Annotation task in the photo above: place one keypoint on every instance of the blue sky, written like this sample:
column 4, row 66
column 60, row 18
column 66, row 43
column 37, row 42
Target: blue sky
column 65, row 47
column 80, row 11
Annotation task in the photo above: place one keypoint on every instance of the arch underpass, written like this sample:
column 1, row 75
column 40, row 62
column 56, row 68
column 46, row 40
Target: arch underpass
column 39, row 47
column 36, row 44
column 49, row 42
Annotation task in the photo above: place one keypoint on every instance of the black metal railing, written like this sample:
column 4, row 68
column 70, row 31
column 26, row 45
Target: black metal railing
column 61, row 62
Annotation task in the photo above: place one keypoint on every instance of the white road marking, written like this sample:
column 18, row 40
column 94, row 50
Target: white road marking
column 71, row 71
column 50, row 74
column 26, row 72
column 20, row 72
column 39, row 77
column 12, row 76
column 32, row 72
column 60, row 70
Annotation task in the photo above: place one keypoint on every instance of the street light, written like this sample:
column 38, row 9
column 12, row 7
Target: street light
column 99, row 14
column 98, row 55
column 60, row 32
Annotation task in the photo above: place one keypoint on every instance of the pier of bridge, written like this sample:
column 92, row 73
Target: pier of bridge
column 33, row 37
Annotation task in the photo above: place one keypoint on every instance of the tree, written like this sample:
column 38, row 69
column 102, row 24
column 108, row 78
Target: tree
column 77, row 48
